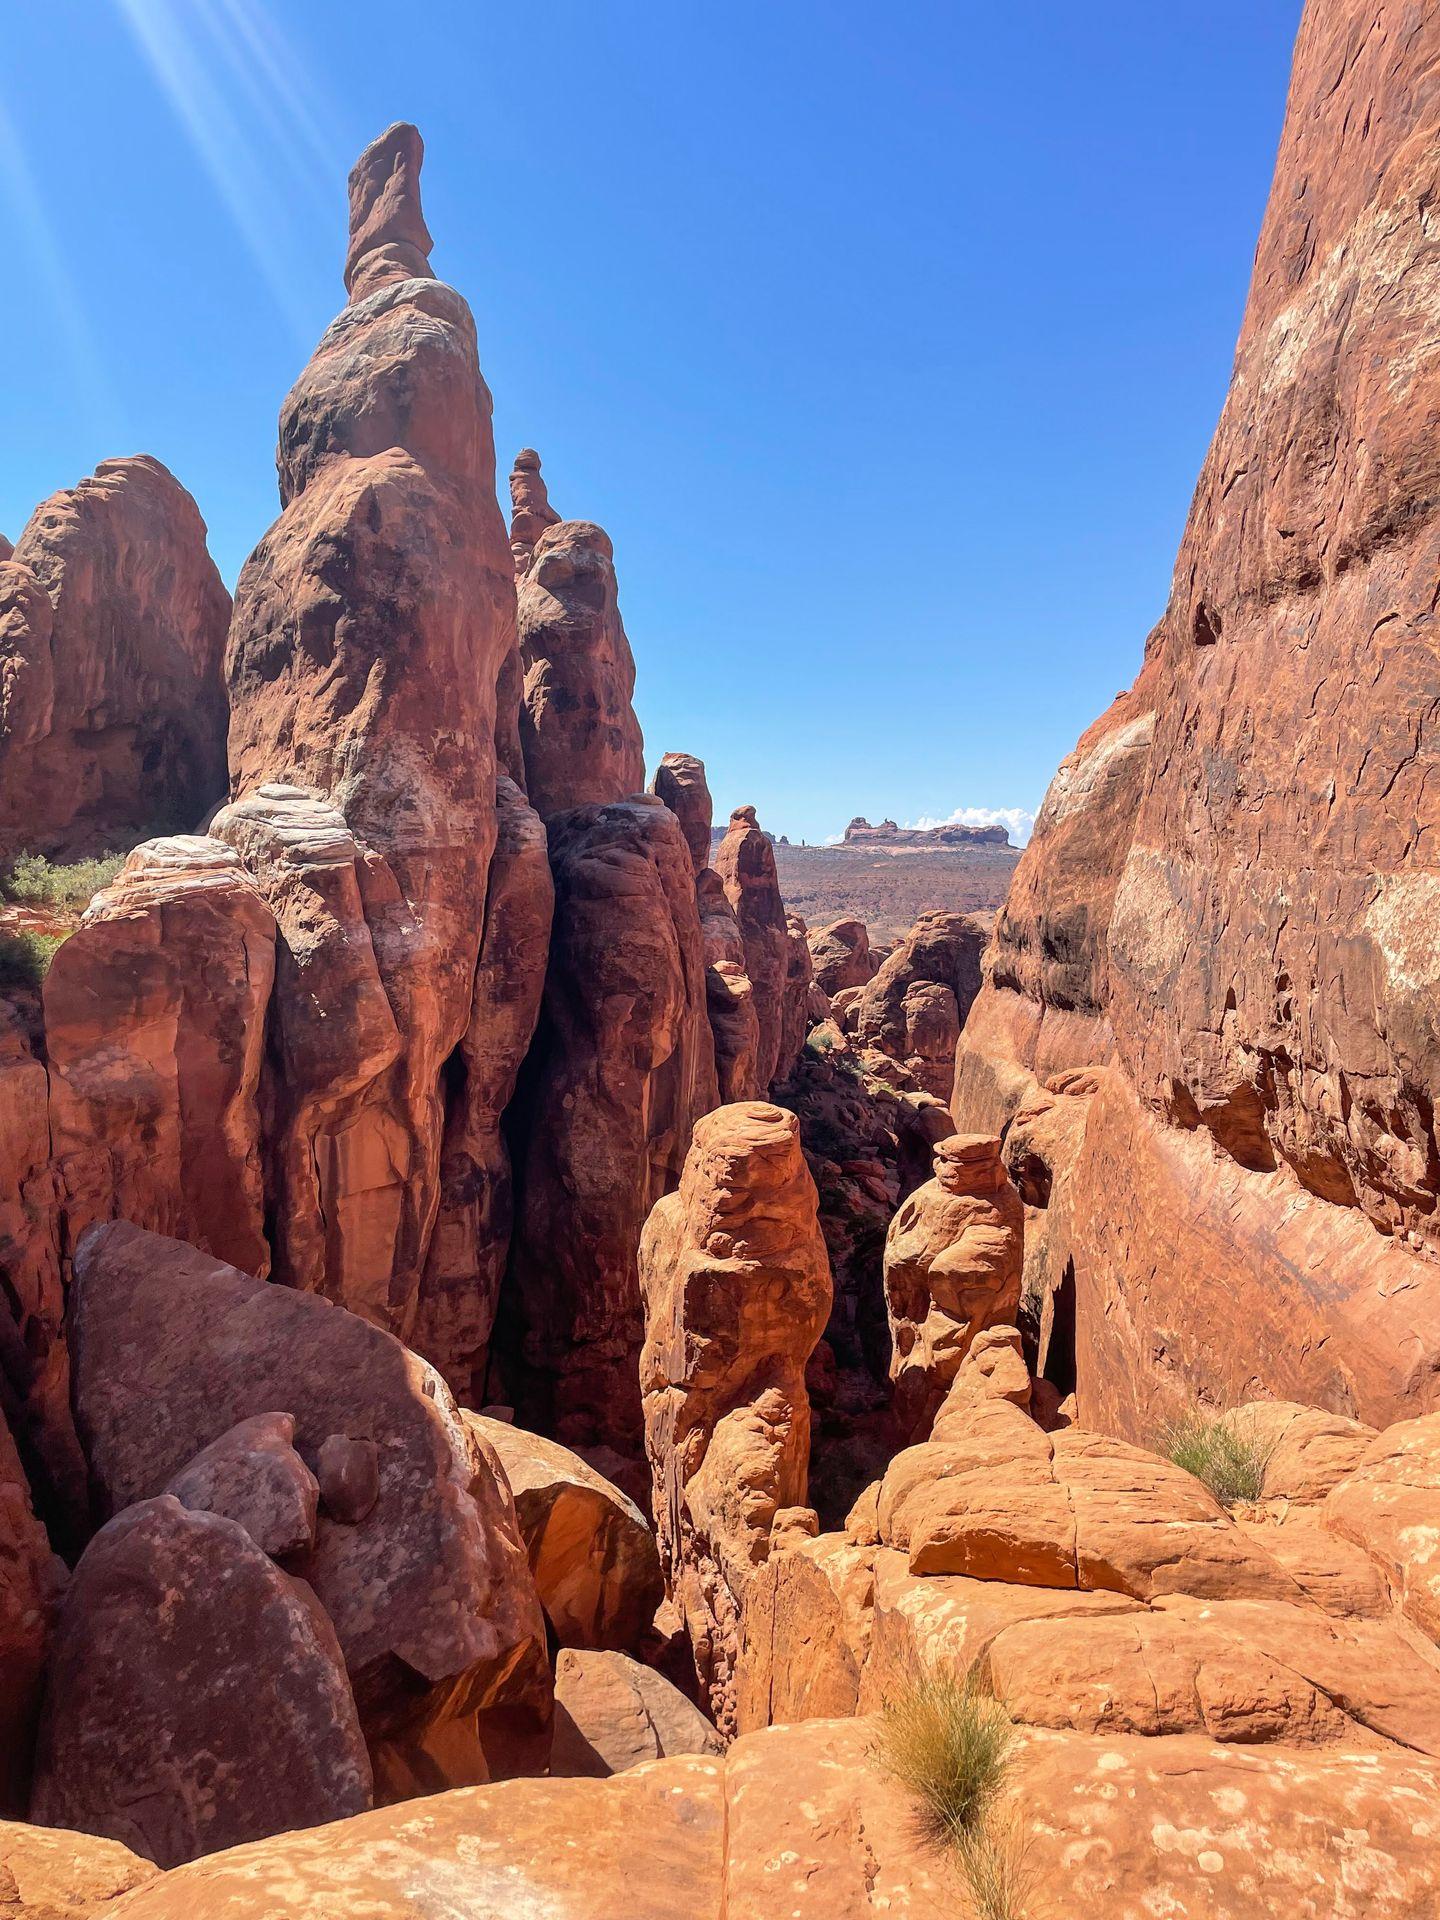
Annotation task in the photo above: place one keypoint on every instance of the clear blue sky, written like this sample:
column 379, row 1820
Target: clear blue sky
column 886, row 342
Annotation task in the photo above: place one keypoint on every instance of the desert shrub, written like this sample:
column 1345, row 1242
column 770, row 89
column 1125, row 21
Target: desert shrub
column 992, row 1857
column 1226, row 1455
column 25, row 956
column 948, row 1745
column 34, row 881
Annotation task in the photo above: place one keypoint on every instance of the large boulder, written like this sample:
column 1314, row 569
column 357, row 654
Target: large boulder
column 953, row 1258
column 155, row 1031
column 195, row 1696
column 48, row 1874
column 592, row 1552
column 621, row 1068
column 737, row 1291
column 840, row 955
column 370, row 628
column 612, row 1714
column 112, row 630
column 425, row 1580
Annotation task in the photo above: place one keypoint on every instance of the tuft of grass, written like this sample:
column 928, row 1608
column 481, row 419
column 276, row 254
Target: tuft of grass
column 993, row 1859
column 34, row 881
column 25, row 956
column 1227, row 1456
column 949, row 1745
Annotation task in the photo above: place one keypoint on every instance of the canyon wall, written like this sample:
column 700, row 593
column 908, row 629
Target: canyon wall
column 1230, row 893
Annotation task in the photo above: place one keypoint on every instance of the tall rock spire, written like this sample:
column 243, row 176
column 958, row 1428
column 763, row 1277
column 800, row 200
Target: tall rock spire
column 530, row 509
column 370, row 627
column 389, row 239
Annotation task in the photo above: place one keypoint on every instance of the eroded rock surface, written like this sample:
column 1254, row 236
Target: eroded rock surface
column 194, row 1694
column 745, row 862
column 621, row 1069
column 953, row 1258
column 737, row 1291
column 427, row 1588
column 112, row 631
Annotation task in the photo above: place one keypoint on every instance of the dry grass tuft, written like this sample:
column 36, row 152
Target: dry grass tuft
column 1225, row 1455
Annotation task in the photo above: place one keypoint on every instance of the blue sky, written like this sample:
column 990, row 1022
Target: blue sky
column 886, row 343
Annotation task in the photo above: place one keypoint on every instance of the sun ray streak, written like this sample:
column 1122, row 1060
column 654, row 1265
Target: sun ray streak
column 209, row 69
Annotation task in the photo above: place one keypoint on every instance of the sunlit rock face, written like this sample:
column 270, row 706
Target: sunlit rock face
column 737, row 1290
column 370, row 628
column 112, row 701
column 1233, row 880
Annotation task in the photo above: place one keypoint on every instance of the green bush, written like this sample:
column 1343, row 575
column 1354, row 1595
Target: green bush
column 949, row 1746
column 34, row 881
column 1225, row 1454
column 25, row 956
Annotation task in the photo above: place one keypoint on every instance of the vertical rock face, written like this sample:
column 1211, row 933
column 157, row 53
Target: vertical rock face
column 681, row 784
column 416, row 1557
column 155, row 1029
column 745, row 861
column 371, row 625
column 31, row 1579
column 471, row 1241
column 193, row 1690
column 622, row 1067
column 737, row 1291
column 34, row 1368
column 530, row 509
column 1261, row 948
column 579, row 733
column 953, row 1259
column 112, row 629
column 795, row 1000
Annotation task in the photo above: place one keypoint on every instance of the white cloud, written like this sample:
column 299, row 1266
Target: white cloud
column 1017, row 821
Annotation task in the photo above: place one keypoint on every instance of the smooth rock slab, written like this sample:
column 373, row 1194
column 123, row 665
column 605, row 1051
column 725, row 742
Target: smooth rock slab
column 611, row 1714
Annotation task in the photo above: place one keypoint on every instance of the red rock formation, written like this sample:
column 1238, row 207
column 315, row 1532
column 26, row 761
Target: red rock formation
column 797, row 998
column 531, row 512
column 66, row 1876
column 621, row 1069
column 681, row 785
column 34, row 1365
column 1267, row 973
column 31, row 1581
column 154, row 1030
column 914, row 1007
column 253, row 1476
column 426, row 1585
column 471, row 1241
column 370, row 627
column 195, row 1694
column 112, row 627
column 737, row 1292
column 592, row 1552
column 612, row 1714
column 729, row 992
column 953, row 1257
column 578, row 729
column 840, row 955
column 745, row 861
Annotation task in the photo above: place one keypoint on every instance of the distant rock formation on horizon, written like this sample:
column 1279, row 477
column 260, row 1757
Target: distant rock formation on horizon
column 888, row 835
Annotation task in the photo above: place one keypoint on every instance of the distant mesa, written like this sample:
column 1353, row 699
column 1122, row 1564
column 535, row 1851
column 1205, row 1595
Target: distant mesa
column 860, row 833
